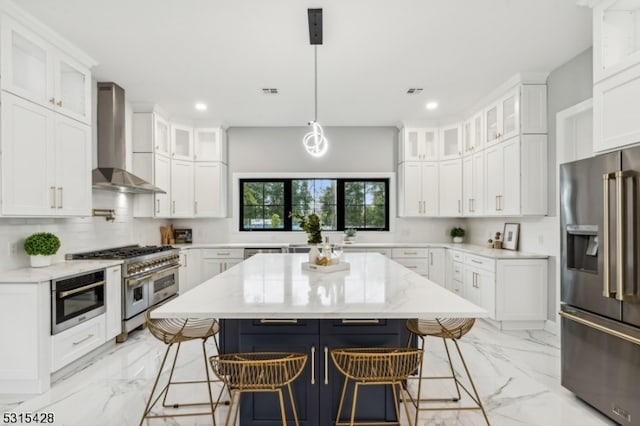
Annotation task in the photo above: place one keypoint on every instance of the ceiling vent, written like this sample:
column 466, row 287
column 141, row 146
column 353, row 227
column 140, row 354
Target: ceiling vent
column 269, row 91
column 414, row 91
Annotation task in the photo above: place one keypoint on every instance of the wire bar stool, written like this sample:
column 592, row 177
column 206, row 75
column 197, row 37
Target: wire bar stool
column 446, row 329
column 175, row 331
column 259, row 372
column 375, row 366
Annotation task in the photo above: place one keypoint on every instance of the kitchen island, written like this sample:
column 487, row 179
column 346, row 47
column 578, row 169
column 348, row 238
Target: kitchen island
column 269, row 303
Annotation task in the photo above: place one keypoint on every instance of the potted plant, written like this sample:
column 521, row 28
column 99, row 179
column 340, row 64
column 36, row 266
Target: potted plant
column 41, row 246
column 349, row 235
column 457, row 234
column 312, row 226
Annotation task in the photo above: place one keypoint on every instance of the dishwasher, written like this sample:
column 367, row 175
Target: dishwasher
column 249, row 251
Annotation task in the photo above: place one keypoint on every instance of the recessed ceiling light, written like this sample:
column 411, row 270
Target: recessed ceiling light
column 201, row 106
column 432, row 105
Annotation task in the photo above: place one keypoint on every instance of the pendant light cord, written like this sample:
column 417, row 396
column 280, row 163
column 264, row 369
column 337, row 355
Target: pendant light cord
column 315, row 78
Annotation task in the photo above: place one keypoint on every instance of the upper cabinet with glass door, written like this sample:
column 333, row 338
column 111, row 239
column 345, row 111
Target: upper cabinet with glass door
column 181, row 142
column 36, row 70
column 472, row 134
column 210, row 144
column 450, row 142
column 616, row 37
column 419, row 144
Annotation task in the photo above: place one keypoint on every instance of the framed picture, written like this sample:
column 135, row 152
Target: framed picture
column 510, row 236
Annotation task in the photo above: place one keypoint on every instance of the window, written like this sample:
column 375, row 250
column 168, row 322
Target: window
column 362, row 204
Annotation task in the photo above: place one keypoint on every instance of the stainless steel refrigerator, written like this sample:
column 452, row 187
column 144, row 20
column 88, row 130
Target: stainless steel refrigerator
column 600, row 311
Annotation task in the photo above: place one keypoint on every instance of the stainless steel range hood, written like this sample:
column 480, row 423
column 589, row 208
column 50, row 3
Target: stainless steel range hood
column 111, row 174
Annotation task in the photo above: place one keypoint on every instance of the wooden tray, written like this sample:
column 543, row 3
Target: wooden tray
column 342, row 266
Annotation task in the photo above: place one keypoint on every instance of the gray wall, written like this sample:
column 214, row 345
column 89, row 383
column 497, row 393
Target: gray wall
column 280, row 149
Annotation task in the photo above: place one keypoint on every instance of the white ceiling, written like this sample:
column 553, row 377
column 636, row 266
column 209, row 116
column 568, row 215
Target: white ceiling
column 176, row 52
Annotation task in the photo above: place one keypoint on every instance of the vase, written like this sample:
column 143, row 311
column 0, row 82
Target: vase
column 458, row 239
column 314, row 254
column 40, row 261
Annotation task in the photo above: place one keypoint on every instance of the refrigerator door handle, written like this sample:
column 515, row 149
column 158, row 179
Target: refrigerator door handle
column 606, row 281
column 621, row 234
column 600, row 327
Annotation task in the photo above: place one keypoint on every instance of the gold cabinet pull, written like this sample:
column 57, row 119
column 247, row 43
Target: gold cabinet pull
column 59, row 103
column 360, row 321
column 313, row 365
column 278, row 321
column 326, row 365
column 60, row 197
column 52, row 196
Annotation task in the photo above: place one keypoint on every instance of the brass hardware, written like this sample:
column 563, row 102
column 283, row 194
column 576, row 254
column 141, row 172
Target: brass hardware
column 278, row 321
column 52, row 101
column 133, row 281
column 157, row 205
column 185, row 261
column 52, row 194
column 195, row 207
column 108, row 214
column 431, row 258
column 599, row 327
column 497, row 208
column 326, row 365
column 60, row 197
column 459, row 207
column 59, row 103
column 411, row 266
column 620, row 246
column 174, row 207
column 64, row 294
column 477, row 261
column 606, row 284
column 223, row 253
column 313, row 365
column 82, row 340
column 410, row 252
column 360, row 321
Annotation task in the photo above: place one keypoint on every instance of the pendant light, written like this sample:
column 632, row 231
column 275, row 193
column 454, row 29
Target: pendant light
column 315, row 142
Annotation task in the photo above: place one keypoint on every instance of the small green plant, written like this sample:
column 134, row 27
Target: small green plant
column 275, row 220
column 43, row 243
column 457, row 232
column 311, row 225
column 350, row 232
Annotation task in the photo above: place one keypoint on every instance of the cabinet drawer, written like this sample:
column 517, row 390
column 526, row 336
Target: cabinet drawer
column 71, row 344
column 279, row 325
column 457, row 271
column 457, row 256
column 223, row 253
column 480, row 262
column 409, row 252
column 361, row 326
column 418, row 266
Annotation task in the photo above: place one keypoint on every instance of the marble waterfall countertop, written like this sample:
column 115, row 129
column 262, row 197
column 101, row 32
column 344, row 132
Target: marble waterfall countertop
column 276, row 286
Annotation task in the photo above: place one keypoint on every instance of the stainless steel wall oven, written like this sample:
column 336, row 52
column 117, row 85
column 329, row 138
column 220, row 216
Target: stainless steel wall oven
column 76, row 299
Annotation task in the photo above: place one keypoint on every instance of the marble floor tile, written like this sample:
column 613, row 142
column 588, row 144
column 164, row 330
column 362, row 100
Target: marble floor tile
column 517, row 375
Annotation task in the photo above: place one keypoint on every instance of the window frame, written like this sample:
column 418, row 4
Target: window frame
column 340, row 206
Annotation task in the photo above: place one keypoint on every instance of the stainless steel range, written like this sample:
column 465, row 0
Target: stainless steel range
column 149, row 277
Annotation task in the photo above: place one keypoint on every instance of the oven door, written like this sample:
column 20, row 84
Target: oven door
column 163, row 284
column 136, row 299
column 76, row 299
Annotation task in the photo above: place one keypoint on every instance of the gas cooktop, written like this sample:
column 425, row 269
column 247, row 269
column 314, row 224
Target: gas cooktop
column 125, row 252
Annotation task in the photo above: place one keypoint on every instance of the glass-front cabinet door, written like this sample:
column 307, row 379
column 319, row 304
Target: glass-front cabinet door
column 26, row 64
column 72, row 89
column 510, row 113
column 491, row 124
column 209, row 145
column 162, row 138
column 182, row 142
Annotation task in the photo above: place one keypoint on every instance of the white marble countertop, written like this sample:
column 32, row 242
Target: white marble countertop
column 55, row 271
column 275, row 286
column 467, row 248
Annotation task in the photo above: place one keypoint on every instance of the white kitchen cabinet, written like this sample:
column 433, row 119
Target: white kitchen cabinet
column 36, row 70
column 516, row 177
column 216, row 261
column 454, row 276
column 113, row 317
column 412, row 258
column 418, row 188
column 450, row 142
column 450, row 188
column 181, row 142
column 190, row 272
column 616, row 46
column 472, row 134
column 182, row 188
column 437, row 265
column 210, row 144
column 473, row 175
column 479, row 288
column 210, row 197
column 418, row 144
column 46, row 161
column 77, row 341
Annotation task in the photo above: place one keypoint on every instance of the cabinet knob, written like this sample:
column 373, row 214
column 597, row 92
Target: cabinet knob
column 59, row 103
column 52, row 101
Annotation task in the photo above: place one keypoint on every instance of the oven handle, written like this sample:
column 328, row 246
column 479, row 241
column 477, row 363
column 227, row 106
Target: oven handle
column 64, row 294
column 133, row 281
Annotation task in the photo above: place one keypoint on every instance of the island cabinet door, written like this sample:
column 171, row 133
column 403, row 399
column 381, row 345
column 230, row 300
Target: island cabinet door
column 263, row 408
column 374, row 403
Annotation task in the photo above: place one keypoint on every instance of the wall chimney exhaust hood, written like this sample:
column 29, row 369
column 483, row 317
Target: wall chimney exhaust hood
column 111, row 174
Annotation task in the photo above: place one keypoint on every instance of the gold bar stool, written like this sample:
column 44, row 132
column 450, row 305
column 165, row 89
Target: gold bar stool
column 259, row 372
column 375, row 366
column 174, row 331
column 445, row 328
